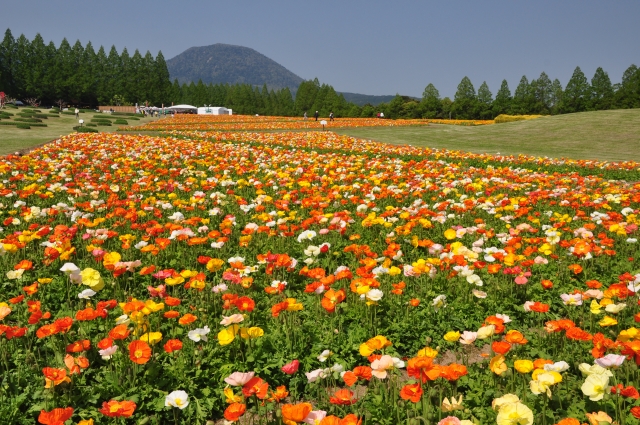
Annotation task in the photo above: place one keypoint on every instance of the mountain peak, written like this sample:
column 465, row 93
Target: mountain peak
column 227, row 63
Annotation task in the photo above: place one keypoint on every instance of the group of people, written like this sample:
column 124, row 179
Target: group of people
column 316, row 115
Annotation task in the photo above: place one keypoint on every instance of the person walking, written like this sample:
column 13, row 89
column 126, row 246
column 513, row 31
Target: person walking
column 316, row 115
column 330, row 116
column 305, row 115
column 77, row 113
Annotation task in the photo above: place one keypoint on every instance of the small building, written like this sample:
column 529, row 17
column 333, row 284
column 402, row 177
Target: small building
column 214, row 110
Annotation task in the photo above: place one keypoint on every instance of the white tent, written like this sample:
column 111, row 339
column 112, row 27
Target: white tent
column 181, row 108
column 214, row 110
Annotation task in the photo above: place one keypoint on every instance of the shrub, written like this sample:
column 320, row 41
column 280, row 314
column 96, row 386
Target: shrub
column 9, row 114
column 103, row 124
column 90, row 125
column 502, row 118
column 8, row 123
column 104, row 117
column 28, row 119
column 37, row 125
column 121, row 122
column 80, row 129
column 54, row 111
column 23, row 126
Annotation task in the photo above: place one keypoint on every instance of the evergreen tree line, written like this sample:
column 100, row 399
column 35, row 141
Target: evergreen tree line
column 78, row 74
column 540, row 96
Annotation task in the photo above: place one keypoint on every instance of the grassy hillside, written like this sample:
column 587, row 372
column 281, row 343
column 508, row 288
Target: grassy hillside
column 13, row 139
column 605, row 135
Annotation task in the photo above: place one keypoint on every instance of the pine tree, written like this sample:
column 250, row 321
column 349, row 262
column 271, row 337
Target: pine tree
column 36, row 69
column 485, row 98
column 87, row 75
column 306, row 96
column 555, row 101
column 102, row 77
column 577, row 93
column 63, row 71
column 601, row 91
column 75, row 78
column 20, row 65
column 465, row 100
column 542, row 94
column 115, row 86
column 502, row 102
column 522, row 102
column 125, row 81
column 628, row 94
column 7, row 53
column 431, row 101
column 162, row 81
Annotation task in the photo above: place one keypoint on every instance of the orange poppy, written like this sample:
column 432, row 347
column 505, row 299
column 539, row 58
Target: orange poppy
column 343, row 397
column 234, row 411
column 139, row 352
column 117, row 409
column 497, row 322
column 330, row 420
column 411, row 392
column 349, row 378
column 279, row 394
column 171, row 314
column 295, row 413
column 171, row 301
column 187, row 319
column 119, row 332
column 576, row 333
column 546, row 284
column 515, row 337
column 245, row 304
column 56, row 416
column 78, row 346
column 173, row 345
column 539, row 363
column 31, row 289
column 350, row 419
column 24, row 264
column 500, row 347
column 256, row 386
column 54, row 377
column 423, row 368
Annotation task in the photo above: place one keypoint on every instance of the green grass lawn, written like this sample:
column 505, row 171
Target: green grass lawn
column 13, row 139
column 604, row 135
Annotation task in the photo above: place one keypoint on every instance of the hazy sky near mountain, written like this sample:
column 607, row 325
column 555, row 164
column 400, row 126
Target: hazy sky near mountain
column 370, row 47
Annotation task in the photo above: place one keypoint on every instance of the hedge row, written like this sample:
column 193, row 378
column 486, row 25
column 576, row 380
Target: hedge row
column 502, row 118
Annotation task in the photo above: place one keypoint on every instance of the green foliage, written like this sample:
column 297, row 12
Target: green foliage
column 465, row 100
column 23, row 126
column 577, row 93
column 431, row 104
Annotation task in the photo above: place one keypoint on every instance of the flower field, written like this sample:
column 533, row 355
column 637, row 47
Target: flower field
column 249, row 122
column 288, row 278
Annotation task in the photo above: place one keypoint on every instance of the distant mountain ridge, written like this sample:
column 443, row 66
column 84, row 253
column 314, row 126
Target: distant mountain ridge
column 226, row 63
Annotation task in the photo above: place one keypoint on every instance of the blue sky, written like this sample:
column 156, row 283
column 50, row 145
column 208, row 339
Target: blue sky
column 369, row 47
